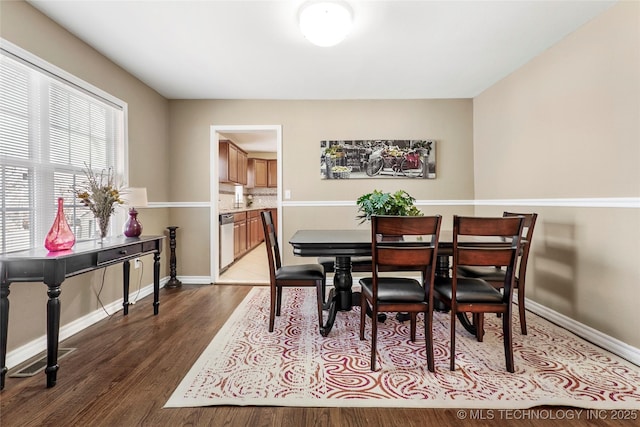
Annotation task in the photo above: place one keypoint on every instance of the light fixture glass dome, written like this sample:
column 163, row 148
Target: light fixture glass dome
column 325, row 23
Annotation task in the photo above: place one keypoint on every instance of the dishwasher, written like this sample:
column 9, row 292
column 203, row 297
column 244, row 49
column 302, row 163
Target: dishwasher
column 226, row 240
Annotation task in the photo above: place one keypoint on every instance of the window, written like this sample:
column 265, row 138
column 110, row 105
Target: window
column 52, row 126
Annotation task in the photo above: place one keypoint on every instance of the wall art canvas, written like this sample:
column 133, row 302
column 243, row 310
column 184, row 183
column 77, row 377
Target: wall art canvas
column 372, row 158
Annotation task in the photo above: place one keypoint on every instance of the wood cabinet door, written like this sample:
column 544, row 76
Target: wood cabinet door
column 239, row 234
column 223, row 161
column 260, row 172
column 236, row 240
column 272, row 173
column 233, row 163
column 254, row 232
column 242, row 167
column 243, row 238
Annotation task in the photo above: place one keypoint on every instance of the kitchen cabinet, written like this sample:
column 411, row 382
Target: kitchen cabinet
column 242, row 167
column 256, row 232
column 272, row 173
column 239, row 234
column 232, row 163
column 248, row 231
column 257, row 172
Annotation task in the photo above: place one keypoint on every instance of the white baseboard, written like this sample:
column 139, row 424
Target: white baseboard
column 615, row 346
column 195, row 280
column 37, row 346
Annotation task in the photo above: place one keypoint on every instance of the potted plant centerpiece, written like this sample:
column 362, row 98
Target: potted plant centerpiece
column 399, row 203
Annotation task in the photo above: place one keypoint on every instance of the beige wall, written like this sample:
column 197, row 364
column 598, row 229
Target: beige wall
column 304, row 125
column 567, row 125
column 149, row 167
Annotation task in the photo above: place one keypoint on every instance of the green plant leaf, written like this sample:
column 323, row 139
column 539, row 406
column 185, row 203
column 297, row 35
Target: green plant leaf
column 399, row 203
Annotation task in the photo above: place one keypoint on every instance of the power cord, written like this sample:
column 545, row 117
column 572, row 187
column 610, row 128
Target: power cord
column 97, row 294
column 104, row 271
column 139, row 282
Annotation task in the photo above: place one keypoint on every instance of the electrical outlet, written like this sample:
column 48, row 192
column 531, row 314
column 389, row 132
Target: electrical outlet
column 136, row 263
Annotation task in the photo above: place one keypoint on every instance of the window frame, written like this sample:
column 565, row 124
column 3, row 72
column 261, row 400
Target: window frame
column 46, row 193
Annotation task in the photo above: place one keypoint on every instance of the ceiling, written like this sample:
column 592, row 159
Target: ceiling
column 215, row 49
column 253, row 141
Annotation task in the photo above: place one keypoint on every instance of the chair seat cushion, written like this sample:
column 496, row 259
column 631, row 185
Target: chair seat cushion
column 394, row 289
column 491, row 274
column 300, row 272
column 469, row 290
column 358, row 263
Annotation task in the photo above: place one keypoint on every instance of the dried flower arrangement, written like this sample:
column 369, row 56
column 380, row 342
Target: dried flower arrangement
column 100, row 194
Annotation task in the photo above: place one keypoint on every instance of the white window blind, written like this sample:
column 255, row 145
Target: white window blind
column 52, row 126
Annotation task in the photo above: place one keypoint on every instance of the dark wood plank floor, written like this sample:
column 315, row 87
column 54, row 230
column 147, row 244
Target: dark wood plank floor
column 126, row 368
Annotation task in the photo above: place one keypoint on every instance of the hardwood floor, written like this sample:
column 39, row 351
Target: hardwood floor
column 126, row 368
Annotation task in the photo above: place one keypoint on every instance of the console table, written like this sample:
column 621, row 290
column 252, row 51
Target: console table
column 52, row 268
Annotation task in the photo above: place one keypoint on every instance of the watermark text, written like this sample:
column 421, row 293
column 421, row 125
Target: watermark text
column 547, row 414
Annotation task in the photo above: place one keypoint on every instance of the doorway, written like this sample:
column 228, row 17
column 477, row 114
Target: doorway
column 251, row 138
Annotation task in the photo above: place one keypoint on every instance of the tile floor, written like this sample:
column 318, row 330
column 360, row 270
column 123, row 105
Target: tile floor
column 251, row 269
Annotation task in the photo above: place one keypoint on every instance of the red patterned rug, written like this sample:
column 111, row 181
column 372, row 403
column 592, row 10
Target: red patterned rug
column 295, row 366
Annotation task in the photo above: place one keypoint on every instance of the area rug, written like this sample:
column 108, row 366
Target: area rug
column 296, row 366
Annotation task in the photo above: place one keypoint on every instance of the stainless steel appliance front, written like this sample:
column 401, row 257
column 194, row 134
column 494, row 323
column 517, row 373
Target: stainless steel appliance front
column 226, row 240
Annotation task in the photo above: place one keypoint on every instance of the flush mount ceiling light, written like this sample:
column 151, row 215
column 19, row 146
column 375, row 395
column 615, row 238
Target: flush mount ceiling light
column 325, row 23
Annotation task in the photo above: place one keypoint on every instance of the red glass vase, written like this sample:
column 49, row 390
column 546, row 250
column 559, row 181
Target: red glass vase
column 60, row 237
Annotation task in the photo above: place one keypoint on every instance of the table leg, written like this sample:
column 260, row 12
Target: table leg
column 342, row 282
column 340, row 297
column 4, row 327
column 156, row 283
column 331, row 318
column 327, row 304
column 466, row 323
column 53, row 332
column 126, row 269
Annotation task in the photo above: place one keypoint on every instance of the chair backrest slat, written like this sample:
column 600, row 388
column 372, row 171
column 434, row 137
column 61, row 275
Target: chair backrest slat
column 404, row 243
column 403, row 256
column 485, row 256
column 495, row 226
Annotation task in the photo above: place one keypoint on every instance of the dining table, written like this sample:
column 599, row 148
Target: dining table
column 345, row 244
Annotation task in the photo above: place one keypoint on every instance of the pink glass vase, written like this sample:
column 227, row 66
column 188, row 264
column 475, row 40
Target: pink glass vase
column 60, row 237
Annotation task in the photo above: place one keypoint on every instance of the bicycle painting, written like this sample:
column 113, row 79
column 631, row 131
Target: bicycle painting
column 378, row 159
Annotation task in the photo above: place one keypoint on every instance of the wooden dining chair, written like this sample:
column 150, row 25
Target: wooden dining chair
column 401, row 243
column 496, row 276
column 288, row 275
column 475, row 295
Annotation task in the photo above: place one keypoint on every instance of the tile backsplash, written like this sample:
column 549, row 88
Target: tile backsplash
column 262, row 197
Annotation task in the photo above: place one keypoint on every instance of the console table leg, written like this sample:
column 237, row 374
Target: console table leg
column 156, row 283
column 4, row 327
column 126, row 269
column 53, row 332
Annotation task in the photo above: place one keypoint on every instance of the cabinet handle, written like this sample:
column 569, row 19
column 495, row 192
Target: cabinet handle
column 123, row 252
